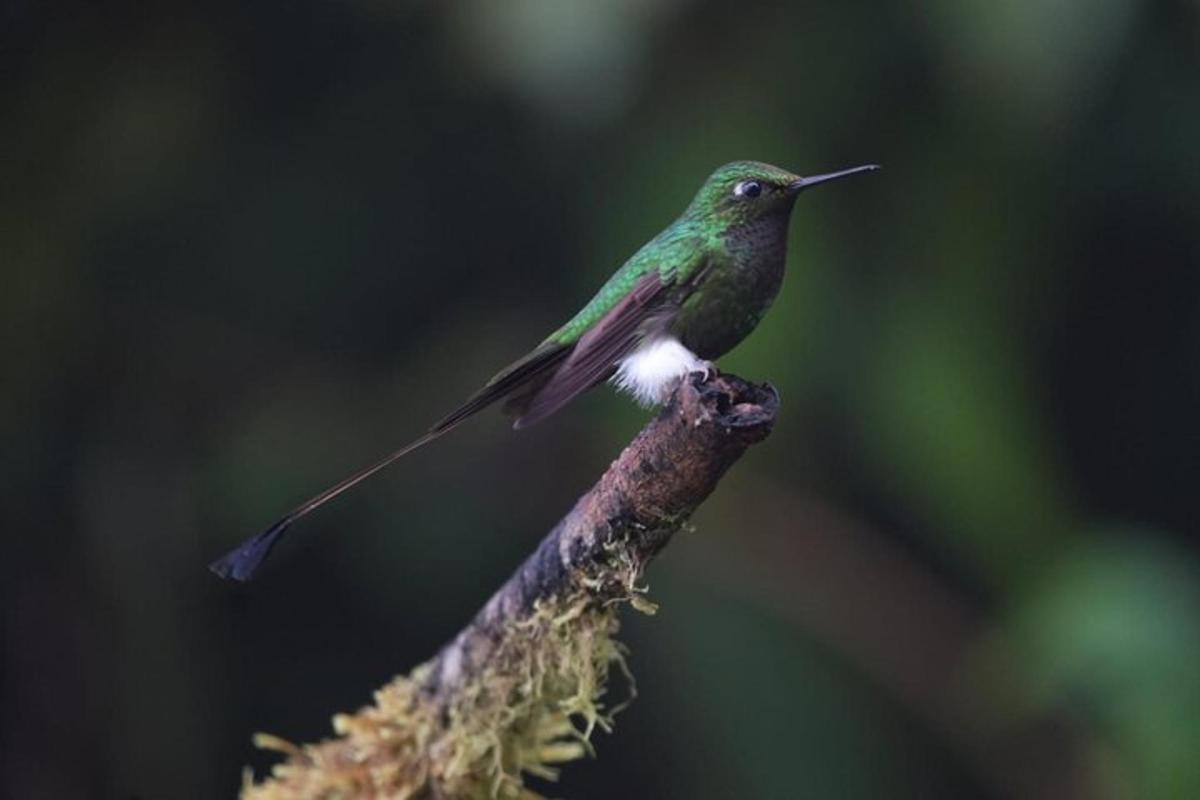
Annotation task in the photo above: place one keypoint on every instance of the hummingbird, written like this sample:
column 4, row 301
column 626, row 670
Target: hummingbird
column 684, row 299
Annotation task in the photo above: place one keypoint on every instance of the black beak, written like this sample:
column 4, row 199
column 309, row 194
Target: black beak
column 801, row 184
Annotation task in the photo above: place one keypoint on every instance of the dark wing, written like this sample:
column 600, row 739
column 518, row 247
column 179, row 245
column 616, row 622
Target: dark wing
column 596, row 354
column 518, row 378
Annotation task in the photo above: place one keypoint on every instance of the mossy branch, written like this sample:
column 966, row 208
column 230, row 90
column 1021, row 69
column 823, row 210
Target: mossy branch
column 521, row 688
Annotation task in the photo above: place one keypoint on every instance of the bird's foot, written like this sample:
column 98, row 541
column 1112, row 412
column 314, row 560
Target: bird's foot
column 707, row 370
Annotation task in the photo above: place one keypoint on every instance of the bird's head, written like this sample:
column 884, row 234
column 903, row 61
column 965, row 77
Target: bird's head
column 744, row 191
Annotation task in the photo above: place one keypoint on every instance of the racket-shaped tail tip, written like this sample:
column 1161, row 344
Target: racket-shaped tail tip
column 243, row 561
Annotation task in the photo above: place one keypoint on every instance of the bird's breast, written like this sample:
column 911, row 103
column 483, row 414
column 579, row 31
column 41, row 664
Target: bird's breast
column 736, row 291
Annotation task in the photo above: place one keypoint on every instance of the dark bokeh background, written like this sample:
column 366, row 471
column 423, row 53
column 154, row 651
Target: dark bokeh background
column 246, row 247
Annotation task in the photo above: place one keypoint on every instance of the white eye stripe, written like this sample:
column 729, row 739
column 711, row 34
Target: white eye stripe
column 747, row 189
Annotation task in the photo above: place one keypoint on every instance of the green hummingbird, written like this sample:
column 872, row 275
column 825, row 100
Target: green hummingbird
column 687, row 297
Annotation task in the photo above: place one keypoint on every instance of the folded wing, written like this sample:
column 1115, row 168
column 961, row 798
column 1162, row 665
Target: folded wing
column 595, row 356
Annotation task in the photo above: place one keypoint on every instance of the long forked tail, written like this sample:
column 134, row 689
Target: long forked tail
column 243, row 561
column 240, row 563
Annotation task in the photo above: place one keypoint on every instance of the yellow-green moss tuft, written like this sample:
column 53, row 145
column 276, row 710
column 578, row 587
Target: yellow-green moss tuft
column 531, row 707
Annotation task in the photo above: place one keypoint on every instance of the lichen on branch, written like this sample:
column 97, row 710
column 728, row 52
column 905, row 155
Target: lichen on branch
column 520, row 690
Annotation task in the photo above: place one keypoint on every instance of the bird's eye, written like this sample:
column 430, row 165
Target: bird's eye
column 748, row 189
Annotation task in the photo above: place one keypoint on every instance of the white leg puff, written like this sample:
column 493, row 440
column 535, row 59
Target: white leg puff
column 652, row 371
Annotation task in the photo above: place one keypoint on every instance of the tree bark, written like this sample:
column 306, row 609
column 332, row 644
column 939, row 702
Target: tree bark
column 520, row 688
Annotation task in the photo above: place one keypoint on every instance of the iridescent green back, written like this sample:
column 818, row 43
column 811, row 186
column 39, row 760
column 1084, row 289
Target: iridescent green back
column 674, row 254
column 686, row 245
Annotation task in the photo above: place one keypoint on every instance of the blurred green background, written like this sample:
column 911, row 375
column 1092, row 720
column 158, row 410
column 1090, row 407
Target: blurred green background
column 246, row 247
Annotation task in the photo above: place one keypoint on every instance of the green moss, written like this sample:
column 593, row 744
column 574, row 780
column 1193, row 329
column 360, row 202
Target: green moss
column 531, row 708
